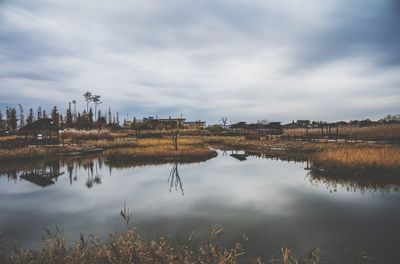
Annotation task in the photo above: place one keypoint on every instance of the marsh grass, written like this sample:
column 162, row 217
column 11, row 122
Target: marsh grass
column 374, row 157
column 29, row 152
column 165, row 153
column 356, row 159
column 128, row 247
column 34, row 152
column 95, row 134
column 120, row 143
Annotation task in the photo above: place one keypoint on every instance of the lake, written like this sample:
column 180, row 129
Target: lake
column 274, row 202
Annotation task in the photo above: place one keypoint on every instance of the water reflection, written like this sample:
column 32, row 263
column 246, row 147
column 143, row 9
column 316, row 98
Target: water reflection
column 367, row 181
column 44, row 176
column 268, row 197
column 45, row 173
column 361, row 183
column 174, row 179
column 40, row 173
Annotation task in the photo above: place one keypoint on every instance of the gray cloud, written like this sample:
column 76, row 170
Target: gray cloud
column 206, row 59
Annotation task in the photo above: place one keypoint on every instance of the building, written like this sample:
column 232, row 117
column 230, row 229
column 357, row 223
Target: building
column 194, row 125
column 163, row 123
column 42, row 132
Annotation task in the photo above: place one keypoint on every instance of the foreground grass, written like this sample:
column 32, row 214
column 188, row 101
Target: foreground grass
column 128, row 248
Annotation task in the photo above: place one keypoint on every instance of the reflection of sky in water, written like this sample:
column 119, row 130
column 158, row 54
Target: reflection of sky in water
column 272, row 201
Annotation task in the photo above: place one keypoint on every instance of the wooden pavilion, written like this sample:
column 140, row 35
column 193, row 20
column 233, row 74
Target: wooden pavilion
column 42, row 132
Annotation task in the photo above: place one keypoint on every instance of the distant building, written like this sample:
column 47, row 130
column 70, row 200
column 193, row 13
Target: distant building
column 194, row 125
column 42, row 132
column 163, row 123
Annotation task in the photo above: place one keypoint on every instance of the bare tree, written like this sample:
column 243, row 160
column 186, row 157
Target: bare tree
column 175, row 134
column 224, row 121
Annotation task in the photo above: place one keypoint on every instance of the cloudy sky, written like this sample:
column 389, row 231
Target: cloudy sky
column 247, row 60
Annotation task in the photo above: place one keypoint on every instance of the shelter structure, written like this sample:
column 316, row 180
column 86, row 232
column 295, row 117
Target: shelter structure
column 42, row 132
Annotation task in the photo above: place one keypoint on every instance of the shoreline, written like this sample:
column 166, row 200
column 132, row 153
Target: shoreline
column 359, row 157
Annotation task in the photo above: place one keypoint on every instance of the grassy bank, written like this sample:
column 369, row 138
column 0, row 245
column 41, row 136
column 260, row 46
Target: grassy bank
column 160, row 154
column 359, row 159
column 128, row 247
column 34, row 152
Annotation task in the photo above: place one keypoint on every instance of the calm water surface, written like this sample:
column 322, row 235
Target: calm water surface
column 276, row 203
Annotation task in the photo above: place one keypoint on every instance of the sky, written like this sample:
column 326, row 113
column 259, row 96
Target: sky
column 245, row 60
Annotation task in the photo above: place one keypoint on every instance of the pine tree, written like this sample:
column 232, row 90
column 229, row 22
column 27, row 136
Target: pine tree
column 44, row 115
column 90, row 117
column 30, row 118
column 12, row 119
column 21, row 116
column 109, row 115
column 55, row 116
column 61, row 121
column 39, row 113
column 69, row 119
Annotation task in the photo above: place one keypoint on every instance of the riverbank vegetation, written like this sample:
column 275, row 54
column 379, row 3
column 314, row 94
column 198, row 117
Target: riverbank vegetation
column 359, row 159
column 34, row 152
column 156, row 150
column 128, row 247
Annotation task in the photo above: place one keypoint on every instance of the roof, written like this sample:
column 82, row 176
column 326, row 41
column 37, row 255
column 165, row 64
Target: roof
column 273, row 125
column 239, row 125
column 44, row 123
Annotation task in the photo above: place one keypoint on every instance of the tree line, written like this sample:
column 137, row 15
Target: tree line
column 89, row 118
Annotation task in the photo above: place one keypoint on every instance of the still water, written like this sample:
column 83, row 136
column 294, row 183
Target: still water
column 276, row 203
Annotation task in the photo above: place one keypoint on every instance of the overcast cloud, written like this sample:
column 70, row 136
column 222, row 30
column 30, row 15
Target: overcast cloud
column 247, row 60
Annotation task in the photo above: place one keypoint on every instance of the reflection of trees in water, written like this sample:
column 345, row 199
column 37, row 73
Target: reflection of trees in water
column 367, row 182
column 41, row 173
column 174, row 179
column 46, row 172
column 93, row 176
column 91, row 166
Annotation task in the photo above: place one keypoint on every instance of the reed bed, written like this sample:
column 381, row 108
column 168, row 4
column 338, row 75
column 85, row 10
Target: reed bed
column 385, row 158
column 34, row 152
column 29, row 152
column 120, row 143
column 166, row 142
column 102, row 134
column 128, row 247
column 378, row 131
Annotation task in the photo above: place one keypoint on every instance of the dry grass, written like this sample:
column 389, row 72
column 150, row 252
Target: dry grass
column 129, row 248
column 106, row 144
column 166, row 142
column 29, row 152
column 10, row 138
column 34, row 152
column 102, row 134
column 161, row 153
column 379, row 131
column 356, row 158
